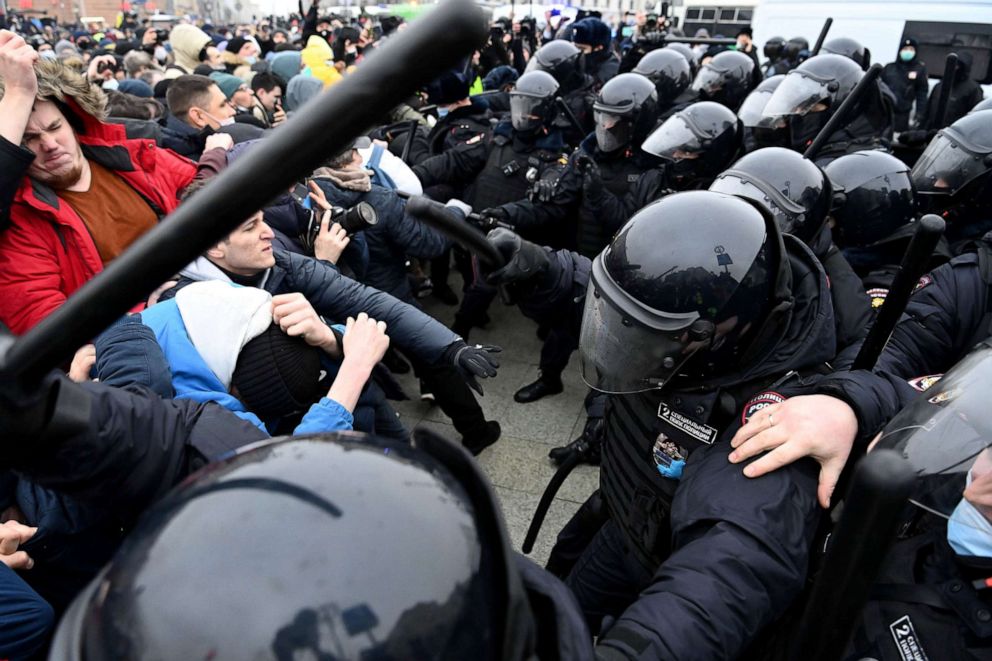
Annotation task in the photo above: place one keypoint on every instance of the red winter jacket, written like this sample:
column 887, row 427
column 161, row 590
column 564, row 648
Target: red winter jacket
column 46, row 252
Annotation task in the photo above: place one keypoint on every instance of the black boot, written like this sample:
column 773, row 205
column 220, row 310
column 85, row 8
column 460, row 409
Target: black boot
column 476, row 442
column 544, row 386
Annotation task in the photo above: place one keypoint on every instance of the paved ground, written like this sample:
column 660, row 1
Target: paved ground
column 518, row 463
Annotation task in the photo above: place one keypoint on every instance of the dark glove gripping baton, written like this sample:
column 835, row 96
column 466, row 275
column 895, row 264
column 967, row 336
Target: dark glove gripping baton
column 844, row 111
column 929, row 229
column 326, row 126
column 445, row 221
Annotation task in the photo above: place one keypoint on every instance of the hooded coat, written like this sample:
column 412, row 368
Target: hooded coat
column 46, row 251
column 318, row 57
column 187, row 42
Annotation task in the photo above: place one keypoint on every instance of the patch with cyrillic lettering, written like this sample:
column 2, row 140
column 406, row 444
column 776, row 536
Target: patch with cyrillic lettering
column 759, row 402
column 907, row 642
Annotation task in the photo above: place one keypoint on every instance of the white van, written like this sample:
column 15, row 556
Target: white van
column 940, row 26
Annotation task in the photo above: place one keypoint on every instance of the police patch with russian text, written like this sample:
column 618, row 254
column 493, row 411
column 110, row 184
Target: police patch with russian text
column 694, row 430
column 758, row 402
column 924, row 281
column 907, row 642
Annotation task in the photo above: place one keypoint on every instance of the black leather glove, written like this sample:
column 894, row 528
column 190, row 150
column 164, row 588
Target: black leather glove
column 592, row 182
column 473, row 361
column 584, row 162
column 492, row 217
column 543, row 190
column 524, row 260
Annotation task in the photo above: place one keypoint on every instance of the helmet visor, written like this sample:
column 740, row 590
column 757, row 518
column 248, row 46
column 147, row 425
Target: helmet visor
column 708, row 81
column 676, row 139
column 945, row 435
column 798, row 94
column 947, row 165
column 613, row 132
column 750, row 111
column 526, row 112
column 787, row 213
column 621, row 354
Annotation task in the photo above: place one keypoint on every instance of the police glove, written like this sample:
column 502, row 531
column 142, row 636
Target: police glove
column 583, row 162
column 472, row 361
column 592, row 182
column 524, row 260
column 492, row 217
column 543, row 190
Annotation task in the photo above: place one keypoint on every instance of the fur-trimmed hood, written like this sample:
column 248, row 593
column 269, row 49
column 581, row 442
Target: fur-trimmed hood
column 61, row 83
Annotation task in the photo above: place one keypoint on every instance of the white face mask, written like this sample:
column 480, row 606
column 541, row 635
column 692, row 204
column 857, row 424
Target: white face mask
column 111, row 84
column 161, row 54
column 48, row 55
column 223, row 122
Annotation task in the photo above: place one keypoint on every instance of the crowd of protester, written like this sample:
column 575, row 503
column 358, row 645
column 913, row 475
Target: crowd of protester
column 591, row 152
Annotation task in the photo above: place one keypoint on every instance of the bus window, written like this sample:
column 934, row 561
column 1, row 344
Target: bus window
column 937, row 39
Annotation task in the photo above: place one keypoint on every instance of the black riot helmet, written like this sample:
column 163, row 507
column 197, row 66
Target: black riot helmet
column 532, row 101
column 690, row 55
column 774, row 48
column 874, row 197
column 337, row 546
column 809, row 95
column 952, row 174
column 625, row 111
column 668, row 70
column 791, row 187
column 726, row 79
column 751, row 110
column 795, row 47
column 699, row 141
column 682, row 292
column 562, row 59
column 849, row 48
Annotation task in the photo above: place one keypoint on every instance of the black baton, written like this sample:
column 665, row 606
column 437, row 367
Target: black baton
column 844, row 111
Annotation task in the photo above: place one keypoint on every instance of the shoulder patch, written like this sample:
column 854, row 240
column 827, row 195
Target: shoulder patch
column 906, row 640
column 921, row 383
column 475, row 139
column 761, row 401
column 924, row 281
column 877, row 296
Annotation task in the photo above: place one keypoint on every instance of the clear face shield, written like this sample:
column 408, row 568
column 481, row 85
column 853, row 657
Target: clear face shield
column 625, row 348
column 526, row 112
column 787, row 213
column 613, row 132
column 675, row 140
column 946, row 436
column 798, row 95
column 948, row 164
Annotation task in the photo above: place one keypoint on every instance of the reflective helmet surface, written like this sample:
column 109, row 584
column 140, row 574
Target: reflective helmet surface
column 700, row 141
column 774, row 48
column 560, row 58
column 954, row 168
column 532, row 100
column 848, row 48
column 751, row 110
column 809, row 96
column 668, row 70
column 690, row 55
column 336, row 546
column 625, row 111
column 726, row 79
column 794, row 190
column 875, row 197
column 679, row 286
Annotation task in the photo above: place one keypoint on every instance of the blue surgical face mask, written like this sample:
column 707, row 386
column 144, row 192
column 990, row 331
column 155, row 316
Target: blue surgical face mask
column 251, row 59
column 907, row 55
column 968, row 531
column 442, row 113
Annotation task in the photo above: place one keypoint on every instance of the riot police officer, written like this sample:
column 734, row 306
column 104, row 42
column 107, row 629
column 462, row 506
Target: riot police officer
column 848, row 47
column 751, row 112
column 671, row 74
column 726, row 79
column 524, row 157
column 690, row 55
column 563, row 61
column 593, row 187
column 799, row 196
column 811, row 94
column 592, row 37
column 907, row 78
column 774, row 50
column 693, row 315
column 953, row 177
column 873, row 214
